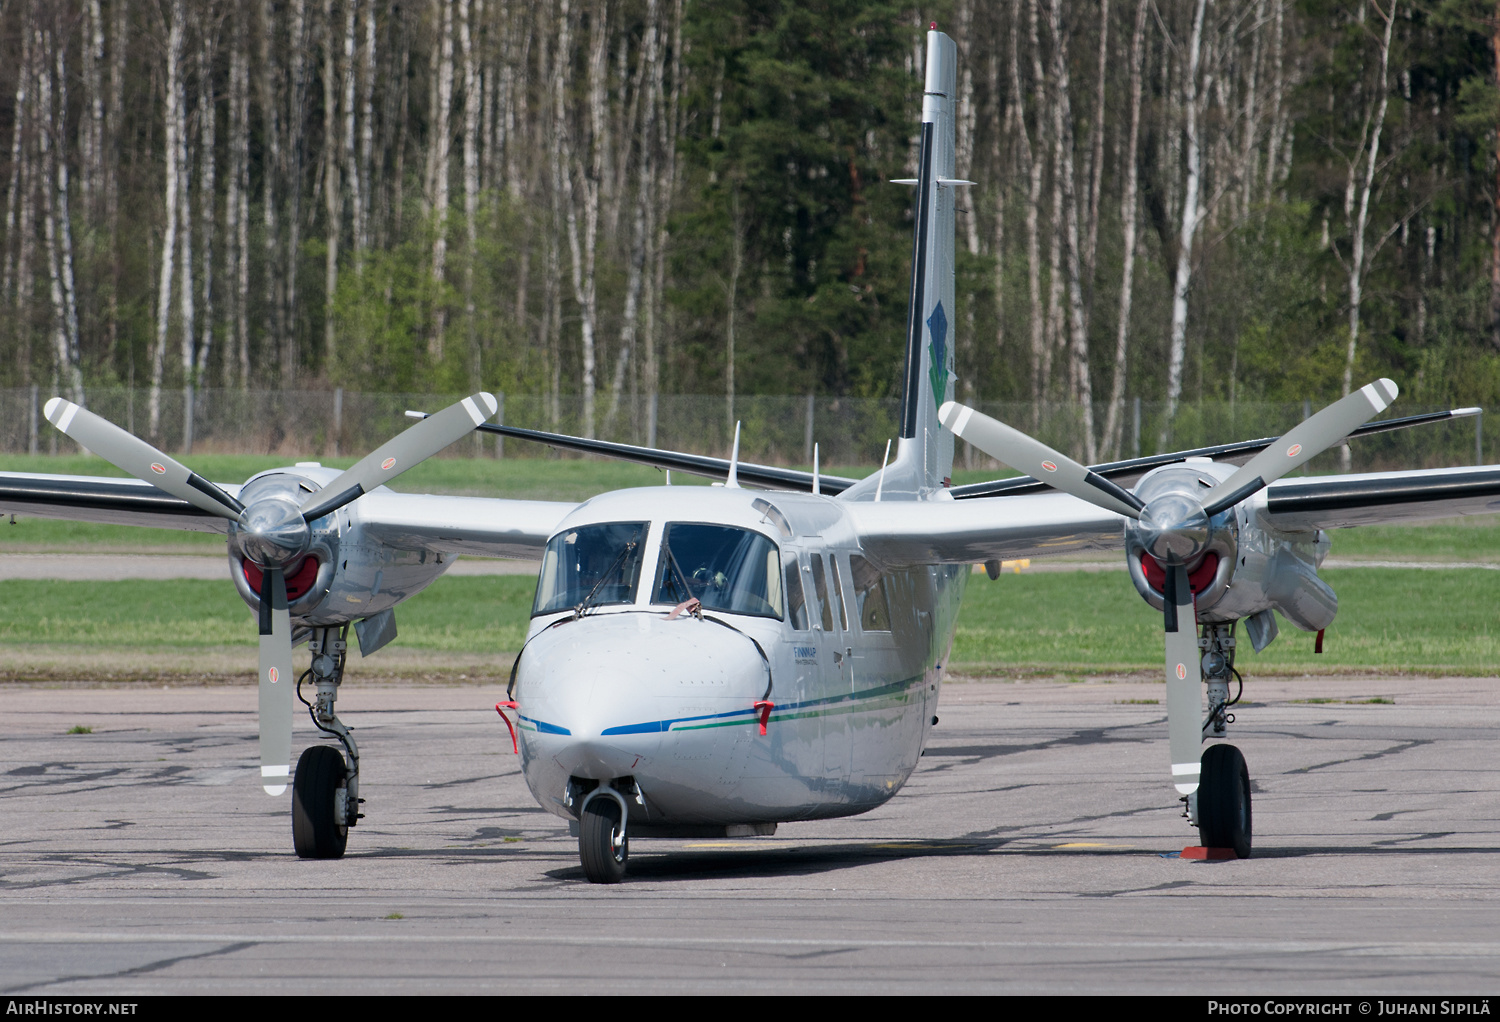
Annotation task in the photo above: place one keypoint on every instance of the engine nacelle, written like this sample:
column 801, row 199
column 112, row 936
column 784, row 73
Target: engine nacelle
column 1246, row 567
column 345, row 574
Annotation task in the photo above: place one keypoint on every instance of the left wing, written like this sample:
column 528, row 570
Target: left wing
column 908, row 533
column 1373, row 498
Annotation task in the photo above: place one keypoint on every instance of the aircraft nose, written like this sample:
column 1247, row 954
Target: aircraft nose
column 634, row 675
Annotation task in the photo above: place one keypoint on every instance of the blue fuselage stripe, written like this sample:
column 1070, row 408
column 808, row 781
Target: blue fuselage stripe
column 657, row 726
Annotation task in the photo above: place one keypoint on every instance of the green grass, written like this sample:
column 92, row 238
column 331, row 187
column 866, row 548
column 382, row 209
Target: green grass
column 1073, row 623
column 1389, row 619
column 80, row 729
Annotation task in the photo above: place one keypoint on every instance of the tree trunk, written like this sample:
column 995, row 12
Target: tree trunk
column 172, row 111
column 207, row 204
column 1191, row 216
column 52, row 140
column 1035, row 168
column 471, row 182
column 237, row 200
column 437, row 196
column 333, row 192
column 114, row 127
column 1115, row 421
column 1096, row 157
column 1358, row 257
column 1080, row 378
column 266, row 82
column 295, row 130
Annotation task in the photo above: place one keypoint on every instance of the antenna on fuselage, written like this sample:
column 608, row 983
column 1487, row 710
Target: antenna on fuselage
column 880, row 483
column 816, row 488
column 733, row 482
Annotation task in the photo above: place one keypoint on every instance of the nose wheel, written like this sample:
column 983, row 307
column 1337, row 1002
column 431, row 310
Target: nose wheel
column 603, row 845
column 1224, row 800
column 318, row 830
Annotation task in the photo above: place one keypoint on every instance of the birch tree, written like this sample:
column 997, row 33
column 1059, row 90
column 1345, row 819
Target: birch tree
column 1191, row 217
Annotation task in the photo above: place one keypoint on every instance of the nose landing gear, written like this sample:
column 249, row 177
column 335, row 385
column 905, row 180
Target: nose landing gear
column 1220, row 808
column 603, row 845
column 325, row 791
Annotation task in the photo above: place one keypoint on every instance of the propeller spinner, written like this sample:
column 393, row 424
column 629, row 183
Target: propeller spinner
column 1174, row 528
column 272, row 532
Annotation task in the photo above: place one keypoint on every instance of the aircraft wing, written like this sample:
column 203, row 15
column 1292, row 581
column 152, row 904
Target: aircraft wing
column 106, row 500
column 907, row 533
column 483, row 526
column 1372, row 498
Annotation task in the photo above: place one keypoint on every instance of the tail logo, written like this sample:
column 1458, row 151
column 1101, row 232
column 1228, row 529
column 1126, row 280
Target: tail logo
column 937, row 372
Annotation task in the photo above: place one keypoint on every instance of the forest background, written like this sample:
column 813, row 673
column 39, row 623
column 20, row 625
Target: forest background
column 599, row 201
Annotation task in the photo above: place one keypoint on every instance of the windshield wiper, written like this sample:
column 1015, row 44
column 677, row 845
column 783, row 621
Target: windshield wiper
column 588, row 601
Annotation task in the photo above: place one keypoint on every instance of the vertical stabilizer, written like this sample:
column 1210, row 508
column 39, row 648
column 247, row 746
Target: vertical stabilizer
column 924, row 460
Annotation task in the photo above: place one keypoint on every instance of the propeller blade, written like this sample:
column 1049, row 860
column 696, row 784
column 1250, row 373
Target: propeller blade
column 1021, row 452
column 1184, row 680
column 1301, row 444
column 276, row 684
column 401, row 452
column 132, row 454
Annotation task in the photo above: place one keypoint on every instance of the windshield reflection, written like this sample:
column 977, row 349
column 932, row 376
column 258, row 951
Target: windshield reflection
column 728, row 569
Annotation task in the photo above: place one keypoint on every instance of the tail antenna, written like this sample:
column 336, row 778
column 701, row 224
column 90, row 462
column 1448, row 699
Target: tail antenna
column 817, row 489
column 733, row 482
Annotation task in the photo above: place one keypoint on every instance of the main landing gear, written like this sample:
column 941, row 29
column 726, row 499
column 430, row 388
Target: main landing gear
column 325, row 791
column 1220, row 808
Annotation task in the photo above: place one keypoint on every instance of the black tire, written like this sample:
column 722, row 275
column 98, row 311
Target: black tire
column 602, row 846
column 316, row 832
column 1224, row 800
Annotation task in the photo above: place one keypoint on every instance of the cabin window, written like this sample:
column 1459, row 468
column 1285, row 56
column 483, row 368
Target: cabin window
column 820, row 583
column 736, row 571
column 593, row 564
column 796, row 604
column 870, row 595
column 838, row 592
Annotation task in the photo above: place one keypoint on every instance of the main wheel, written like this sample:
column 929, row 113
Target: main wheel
column 1224, row 800
column 603, row 845
column 316, row 832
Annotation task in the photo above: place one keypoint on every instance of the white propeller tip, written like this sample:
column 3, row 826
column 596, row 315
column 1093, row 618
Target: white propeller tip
column 490, row 404
column 51, row 407
column 945, row 411
column 1381, row 393
column 274, row 789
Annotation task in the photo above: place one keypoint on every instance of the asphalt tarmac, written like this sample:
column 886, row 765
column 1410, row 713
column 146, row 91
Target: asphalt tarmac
column 1033, row 851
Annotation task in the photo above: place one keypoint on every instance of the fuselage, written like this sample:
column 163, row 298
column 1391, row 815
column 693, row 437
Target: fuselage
column 793, row 613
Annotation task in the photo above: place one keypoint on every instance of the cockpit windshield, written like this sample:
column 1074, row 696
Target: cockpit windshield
column 593, row 564
column 732, row 570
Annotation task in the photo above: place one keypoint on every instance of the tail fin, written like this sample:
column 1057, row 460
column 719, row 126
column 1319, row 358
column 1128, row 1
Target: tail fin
column 924, row 459
column 929, row 335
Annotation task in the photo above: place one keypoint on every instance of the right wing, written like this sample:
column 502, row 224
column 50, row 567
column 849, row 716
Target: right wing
column 483, row 526
column 106, row 500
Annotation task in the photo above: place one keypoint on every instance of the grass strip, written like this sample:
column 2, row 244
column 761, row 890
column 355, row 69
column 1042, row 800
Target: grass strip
column 1390, row 620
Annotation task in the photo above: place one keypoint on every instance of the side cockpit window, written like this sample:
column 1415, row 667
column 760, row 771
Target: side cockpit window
column 728, row 569
column 870, row 595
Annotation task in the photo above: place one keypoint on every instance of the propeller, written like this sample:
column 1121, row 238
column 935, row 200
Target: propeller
column 273, row 532
column 1174, row 527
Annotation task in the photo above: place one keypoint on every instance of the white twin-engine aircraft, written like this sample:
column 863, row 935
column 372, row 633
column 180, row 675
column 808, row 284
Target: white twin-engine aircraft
column 715, row 661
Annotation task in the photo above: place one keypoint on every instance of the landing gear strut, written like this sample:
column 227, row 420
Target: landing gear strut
column 1221, row 806
column 325, row 792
